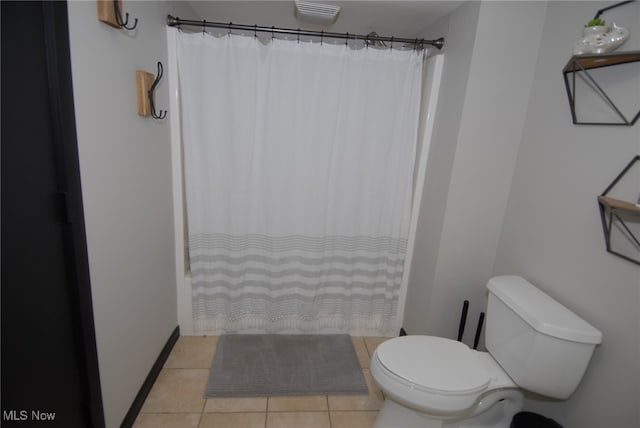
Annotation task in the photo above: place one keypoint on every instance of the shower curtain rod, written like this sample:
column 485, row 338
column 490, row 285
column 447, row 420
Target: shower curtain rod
column 177, row 22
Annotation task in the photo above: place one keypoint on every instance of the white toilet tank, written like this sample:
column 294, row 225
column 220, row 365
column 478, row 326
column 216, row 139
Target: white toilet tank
column 543, row 346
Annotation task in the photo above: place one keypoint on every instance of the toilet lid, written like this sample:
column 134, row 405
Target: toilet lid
column 434, row 363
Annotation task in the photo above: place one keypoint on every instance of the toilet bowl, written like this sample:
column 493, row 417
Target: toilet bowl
column 437, row 382
column 533, row 343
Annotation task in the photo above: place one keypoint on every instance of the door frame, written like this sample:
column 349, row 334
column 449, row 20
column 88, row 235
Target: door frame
column 67, row 170
column 62, row 109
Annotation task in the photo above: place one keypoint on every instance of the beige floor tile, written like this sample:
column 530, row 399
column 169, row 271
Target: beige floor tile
column 232, row 420
column 371, row 401
column 298, row 420
column 297, row 404
column 353, row 419
column 361, row 351
column 177, row 391
column 192, row 352
column 373, row 342
column 167, row 420
column 241, row 404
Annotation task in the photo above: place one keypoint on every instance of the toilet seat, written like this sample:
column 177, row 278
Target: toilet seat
column 432, row 373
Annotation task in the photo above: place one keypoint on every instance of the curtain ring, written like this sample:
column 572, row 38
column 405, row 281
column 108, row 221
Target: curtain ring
column 415, row 45
column 346, row 41
column 272, row 32
column 298, row 35
column 229, row 29
column 204, row 23
column 391, row 47
column 321, row 37
column 255, row 31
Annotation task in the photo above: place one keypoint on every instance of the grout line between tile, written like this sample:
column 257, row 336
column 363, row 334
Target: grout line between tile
column 329, row 413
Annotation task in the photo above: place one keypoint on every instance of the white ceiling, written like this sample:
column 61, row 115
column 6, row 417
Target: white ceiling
column 387, row 18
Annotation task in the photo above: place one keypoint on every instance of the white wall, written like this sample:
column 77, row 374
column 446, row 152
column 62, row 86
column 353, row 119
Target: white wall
column 459, row 30
column 552, row 233
column 125, row 169
column 490, row 56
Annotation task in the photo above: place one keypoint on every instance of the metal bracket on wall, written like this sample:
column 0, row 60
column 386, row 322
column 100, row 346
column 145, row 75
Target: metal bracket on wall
column 613, row 212
column 580, row 64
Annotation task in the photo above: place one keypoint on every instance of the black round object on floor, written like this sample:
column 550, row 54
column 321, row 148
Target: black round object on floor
column 532, row 420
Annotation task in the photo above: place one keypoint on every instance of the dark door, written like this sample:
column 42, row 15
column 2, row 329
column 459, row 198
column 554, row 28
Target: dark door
column 49, row 361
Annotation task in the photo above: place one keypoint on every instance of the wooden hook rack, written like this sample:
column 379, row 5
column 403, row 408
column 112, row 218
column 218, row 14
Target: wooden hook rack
column 146, row 84
column 110, row 12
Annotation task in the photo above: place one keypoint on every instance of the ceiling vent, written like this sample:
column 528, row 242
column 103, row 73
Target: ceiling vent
column 316, row 12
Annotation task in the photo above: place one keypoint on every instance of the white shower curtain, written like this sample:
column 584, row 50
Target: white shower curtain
column 298, row 164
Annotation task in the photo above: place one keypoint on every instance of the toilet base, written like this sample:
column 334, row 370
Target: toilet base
column 494, row 410
column 393, row 415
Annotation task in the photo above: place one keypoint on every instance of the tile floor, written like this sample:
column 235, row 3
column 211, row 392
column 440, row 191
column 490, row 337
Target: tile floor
column 176, row 399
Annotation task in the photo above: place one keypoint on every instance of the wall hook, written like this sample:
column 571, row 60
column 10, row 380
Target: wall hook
column 162, row 113
column 110, row 12
column 146, row 85
column 121, row 22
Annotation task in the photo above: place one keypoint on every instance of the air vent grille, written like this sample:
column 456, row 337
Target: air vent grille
column 316, row 11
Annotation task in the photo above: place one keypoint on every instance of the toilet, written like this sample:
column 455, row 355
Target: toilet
column 533, row 342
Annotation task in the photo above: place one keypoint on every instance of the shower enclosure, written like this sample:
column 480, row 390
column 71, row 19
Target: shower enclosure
column 331, row 259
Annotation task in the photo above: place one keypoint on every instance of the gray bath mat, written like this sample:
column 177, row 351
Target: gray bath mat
column 250, row 365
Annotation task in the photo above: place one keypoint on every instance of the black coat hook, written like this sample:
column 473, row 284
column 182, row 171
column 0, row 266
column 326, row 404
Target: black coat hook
column 162, row 113
column 119, row 20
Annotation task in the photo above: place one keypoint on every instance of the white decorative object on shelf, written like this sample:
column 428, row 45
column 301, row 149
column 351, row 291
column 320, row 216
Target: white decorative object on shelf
column 600, row 39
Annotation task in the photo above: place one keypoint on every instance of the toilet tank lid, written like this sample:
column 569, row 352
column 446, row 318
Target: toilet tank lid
column 541, row 311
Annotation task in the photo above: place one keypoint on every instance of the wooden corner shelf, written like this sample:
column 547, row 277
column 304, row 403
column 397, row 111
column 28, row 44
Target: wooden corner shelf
column 583, row 63
column 612, row 204
column 591, row 61
column 615, row 212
